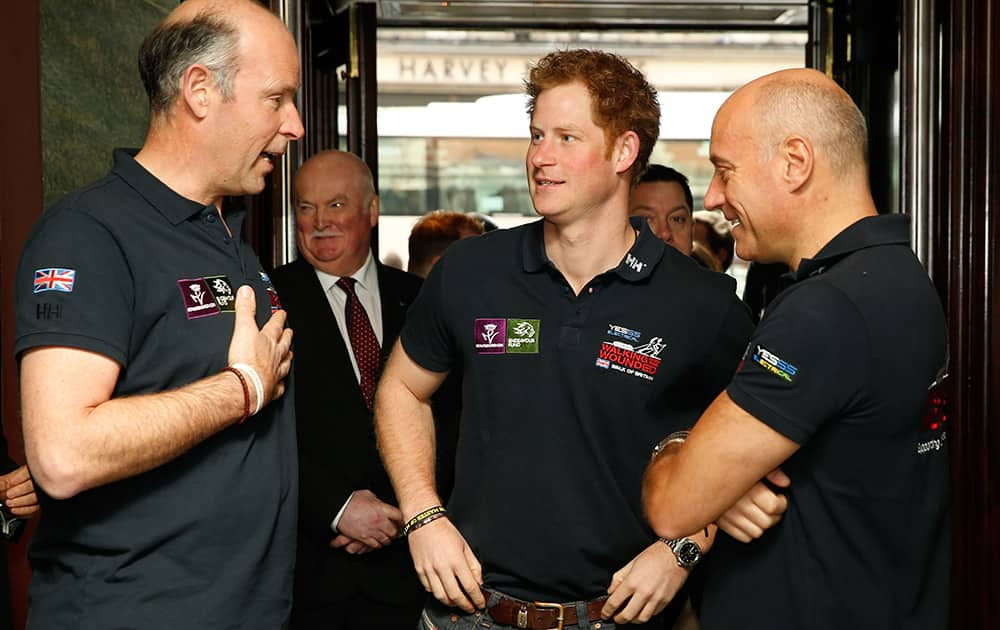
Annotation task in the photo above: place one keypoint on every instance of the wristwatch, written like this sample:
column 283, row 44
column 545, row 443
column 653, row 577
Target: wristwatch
column 687, row 551
column 674, row 438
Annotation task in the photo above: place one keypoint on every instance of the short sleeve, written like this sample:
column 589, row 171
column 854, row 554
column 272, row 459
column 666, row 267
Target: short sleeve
column 730, row 341
column 806, row 362
column 73, row 287
column 426, row 335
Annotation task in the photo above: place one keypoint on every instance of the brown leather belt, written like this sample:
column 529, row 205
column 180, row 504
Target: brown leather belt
column 539, row 615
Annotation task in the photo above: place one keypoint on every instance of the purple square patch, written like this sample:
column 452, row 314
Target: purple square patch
column 490, row 336
column 198, row 299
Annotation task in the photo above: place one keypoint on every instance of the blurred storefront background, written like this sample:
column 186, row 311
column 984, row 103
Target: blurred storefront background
column 452, row 124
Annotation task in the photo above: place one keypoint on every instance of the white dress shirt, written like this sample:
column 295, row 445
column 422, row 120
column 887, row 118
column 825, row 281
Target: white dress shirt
column 366, row 287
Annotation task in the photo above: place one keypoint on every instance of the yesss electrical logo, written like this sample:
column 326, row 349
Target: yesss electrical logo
column 774, row 364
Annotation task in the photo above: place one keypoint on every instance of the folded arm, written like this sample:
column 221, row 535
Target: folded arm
column 691, row 484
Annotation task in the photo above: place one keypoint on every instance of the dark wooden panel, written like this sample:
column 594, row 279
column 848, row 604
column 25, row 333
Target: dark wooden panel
column 20, row 205
column 967, row 255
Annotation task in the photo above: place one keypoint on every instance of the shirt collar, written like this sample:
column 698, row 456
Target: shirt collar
column 171, row 205
column 533, row 256
column 886, row 229
column 644, row 254
column 637, row 264
column 366, row 276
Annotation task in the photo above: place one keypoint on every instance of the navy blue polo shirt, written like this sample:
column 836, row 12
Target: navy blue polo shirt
column 564, row 397
column 129, row 269
column 841, row 364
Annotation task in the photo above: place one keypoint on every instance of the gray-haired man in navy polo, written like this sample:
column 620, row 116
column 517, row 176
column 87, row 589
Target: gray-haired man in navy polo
column 143, row 356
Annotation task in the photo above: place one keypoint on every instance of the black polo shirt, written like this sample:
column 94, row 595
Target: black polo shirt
column 129, row 269
column 564, row 397
column 841, row 364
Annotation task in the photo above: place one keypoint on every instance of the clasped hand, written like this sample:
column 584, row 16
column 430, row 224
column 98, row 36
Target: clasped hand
column 368, row 523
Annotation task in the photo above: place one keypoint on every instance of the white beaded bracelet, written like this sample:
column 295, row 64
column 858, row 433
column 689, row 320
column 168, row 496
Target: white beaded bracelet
column 257, row 384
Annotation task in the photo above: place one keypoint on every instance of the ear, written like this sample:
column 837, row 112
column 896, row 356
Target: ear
column 626, row 151
column 197, row 89
column 797, row 161
column 373, row 210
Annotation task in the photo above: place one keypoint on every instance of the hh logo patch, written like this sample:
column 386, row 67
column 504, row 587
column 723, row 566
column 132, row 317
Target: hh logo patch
column 633, row 262
column 54, row 279
column 506, row 336
column 640, row 361
column 48, row 311
column 773, row 363
column 204, row 297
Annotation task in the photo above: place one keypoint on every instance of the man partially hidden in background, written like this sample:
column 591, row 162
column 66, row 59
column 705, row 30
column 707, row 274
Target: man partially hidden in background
column 347, row 310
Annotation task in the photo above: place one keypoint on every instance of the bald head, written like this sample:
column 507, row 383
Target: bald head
column 790, row 165
column 340, row 164
column 807, row 103
column 335, row 209
column 206, row 32
column 237, row 9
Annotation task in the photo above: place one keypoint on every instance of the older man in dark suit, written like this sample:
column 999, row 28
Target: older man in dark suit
column 345, row 308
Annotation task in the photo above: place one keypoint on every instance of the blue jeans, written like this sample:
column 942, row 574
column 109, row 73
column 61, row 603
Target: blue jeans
column 437, row 616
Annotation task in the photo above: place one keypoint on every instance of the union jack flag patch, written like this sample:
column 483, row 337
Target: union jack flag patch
column 54, row 279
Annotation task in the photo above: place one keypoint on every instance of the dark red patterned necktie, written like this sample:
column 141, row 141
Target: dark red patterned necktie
column 363, row 340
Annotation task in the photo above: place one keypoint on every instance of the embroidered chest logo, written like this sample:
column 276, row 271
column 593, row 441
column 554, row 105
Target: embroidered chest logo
column 624, row 333
column 934, row 424
column 773, row 363
column 506, row 336
column 54, row 279
column 222, row 291
column 640, row 361
column 272, row 294
column 204, row 297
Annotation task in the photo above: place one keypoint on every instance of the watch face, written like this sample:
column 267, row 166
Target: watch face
column 688, row 553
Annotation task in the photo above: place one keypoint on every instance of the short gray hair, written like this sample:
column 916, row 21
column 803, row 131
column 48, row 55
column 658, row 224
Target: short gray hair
column 175, row 46
column 826, row 116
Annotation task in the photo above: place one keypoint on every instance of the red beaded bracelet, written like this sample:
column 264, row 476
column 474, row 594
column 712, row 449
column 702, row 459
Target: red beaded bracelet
column 246, row 392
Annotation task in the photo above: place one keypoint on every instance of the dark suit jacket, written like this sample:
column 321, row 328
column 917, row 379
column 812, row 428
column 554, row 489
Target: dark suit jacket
column 337, row 453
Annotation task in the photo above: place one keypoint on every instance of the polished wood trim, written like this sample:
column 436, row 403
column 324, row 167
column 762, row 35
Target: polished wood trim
column 967, row 254
column 20, row 206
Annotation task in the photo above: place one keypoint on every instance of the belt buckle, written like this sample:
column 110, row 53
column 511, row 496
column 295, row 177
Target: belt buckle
column 550, row 605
